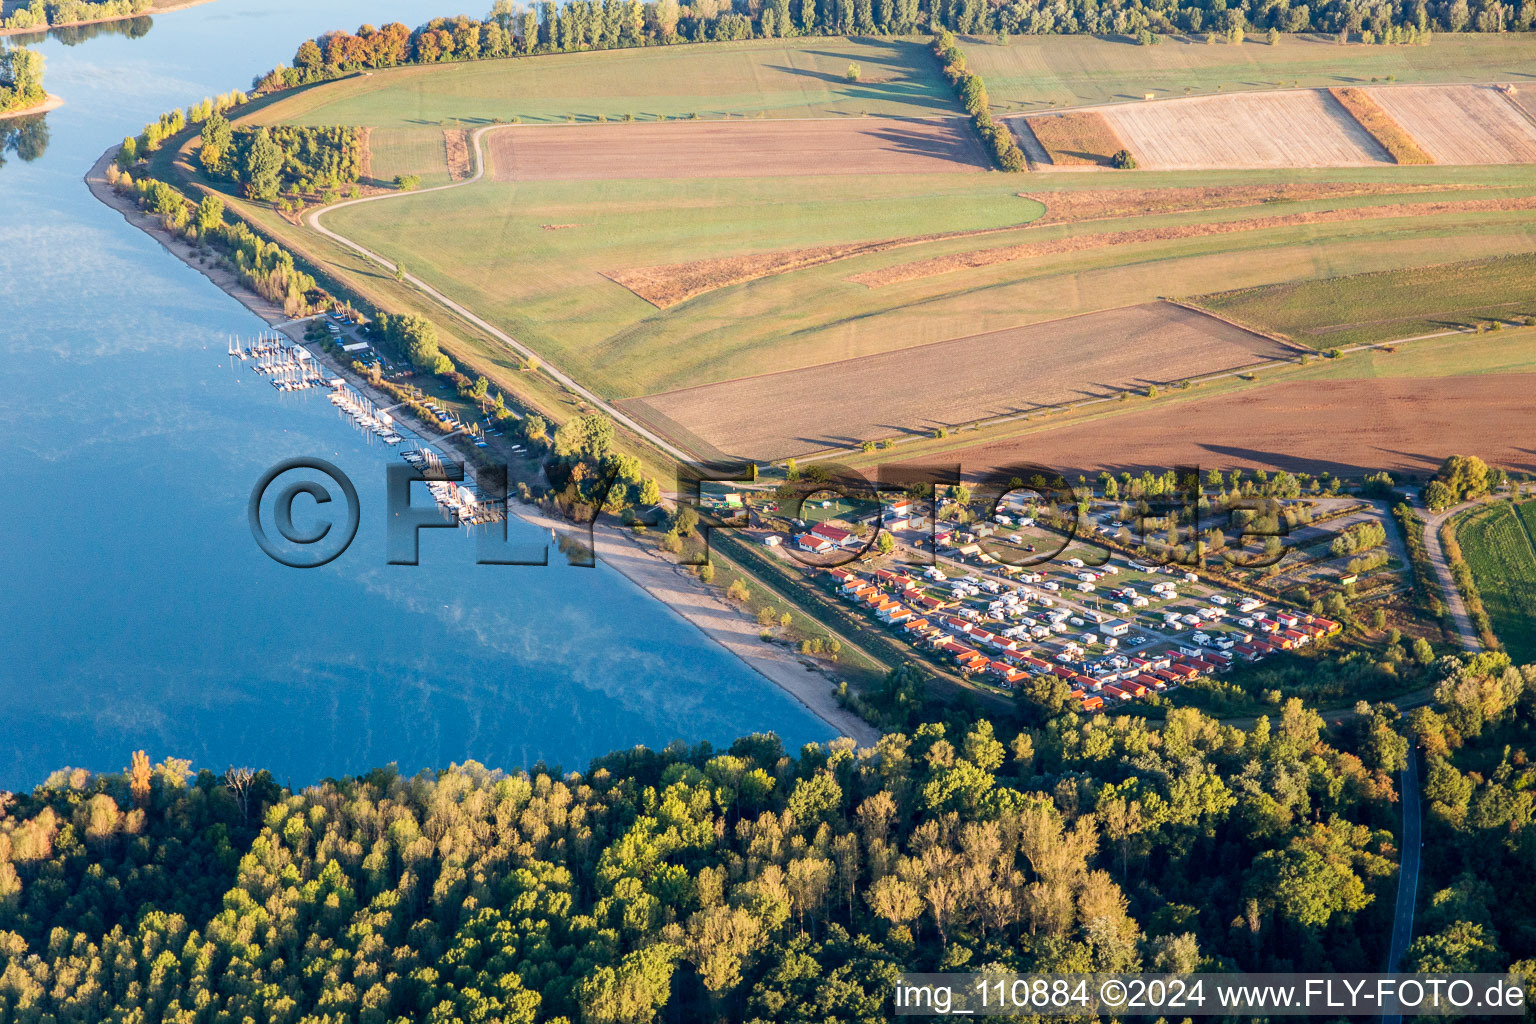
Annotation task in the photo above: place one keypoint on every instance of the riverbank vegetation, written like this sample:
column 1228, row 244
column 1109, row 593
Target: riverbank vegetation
column 265, row 267
column 41, row 14
column 21, row 79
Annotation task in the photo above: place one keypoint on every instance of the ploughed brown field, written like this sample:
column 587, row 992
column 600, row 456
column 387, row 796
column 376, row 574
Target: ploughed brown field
column 1405, row 425
column 1295, row 128
column 1462, row 124
column 733, row 149
column 776, row 415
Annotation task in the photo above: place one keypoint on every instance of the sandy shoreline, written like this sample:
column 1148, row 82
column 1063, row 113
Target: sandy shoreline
column 51, row 103
column 679, row 590
column 166, row 9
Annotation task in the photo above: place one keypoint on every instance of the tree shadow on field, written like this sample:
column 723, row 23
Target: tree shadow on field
column 900, row 53
column 906, row 92
column 1292, row 463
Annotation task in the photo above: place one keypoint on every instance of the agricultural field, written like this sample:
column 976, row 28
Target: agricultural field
column 1296, row 128
column 1033, row 73
column 765, row 78
column 401, row 151
column 1077, row 139
column 734, row 149
column 1499, row 545
column 837, row 278
column 1366, row 308
column 943, row 385
column 1469, row 124
column 1405, row 425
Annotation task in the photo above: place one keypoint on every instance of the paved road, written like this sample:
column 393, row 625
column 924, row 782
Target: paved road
column 1408, row 873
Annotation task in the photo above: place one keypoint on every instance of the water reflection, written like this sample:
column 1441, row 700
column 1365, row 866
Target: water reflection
column 74, row 35
column 25, row 137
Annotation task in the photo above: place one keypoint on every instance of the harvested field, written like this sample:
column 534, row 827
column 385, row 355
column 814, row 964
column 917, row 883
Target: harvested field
column 776, row 415
column 1462, row 124
column 1075, row 139
column 1075, row 205
column 734, row 149
column 1405, row 425
column 456, row 143
column 1398, row 143
column 1300, row 128
column 1081, row 243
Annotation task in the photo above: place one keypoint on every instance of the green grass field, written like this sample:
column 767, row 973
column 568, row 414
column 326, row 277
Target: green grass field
column 766, row 78
column 1499, row 544
column 418, row 151
column 1038, row 72
column 1366, row 308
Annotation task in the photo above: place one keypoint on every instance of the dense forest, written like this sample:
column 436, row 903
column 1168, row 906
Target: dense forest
column 281, row 159
column 751, row 884
column 606, row 24
column 21, row 78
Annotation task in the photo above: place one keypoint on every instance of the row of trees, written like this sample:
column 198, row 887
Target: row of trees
column 972, row 93
column 21, row 78
column 699, row 884
column 270, row 270
column 545, row 27
column 136, row 148
column 40, row 14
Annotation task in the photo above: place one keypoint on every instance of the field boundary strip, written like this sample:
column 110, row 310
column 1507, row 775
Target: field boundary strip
column 1382, row 126
column 1082, row 243
column 671, row 284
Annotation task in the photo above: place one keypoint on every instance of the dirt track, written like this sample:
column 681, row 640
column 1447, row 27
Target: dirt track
column 733, row 149
column 918, row 389
column 1400, row 424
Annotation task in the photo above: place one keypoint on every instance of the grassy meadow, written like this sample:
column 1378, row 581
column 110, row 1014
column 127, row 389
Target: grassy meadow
column 1366, row 308
column 764, row 78
column 417, row 150
column 1499, row 544
column 1030, row 73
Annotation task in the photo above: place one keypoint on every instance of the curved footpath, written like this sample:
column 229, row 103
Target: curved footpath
column 683, row 593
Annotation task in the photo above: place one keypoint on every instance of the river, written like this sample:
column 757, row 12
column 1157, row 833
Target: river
column 138, row 612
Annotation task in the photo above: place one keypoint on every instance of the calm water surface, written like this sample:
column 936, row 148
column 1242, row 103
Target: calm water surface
column 136, row 610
